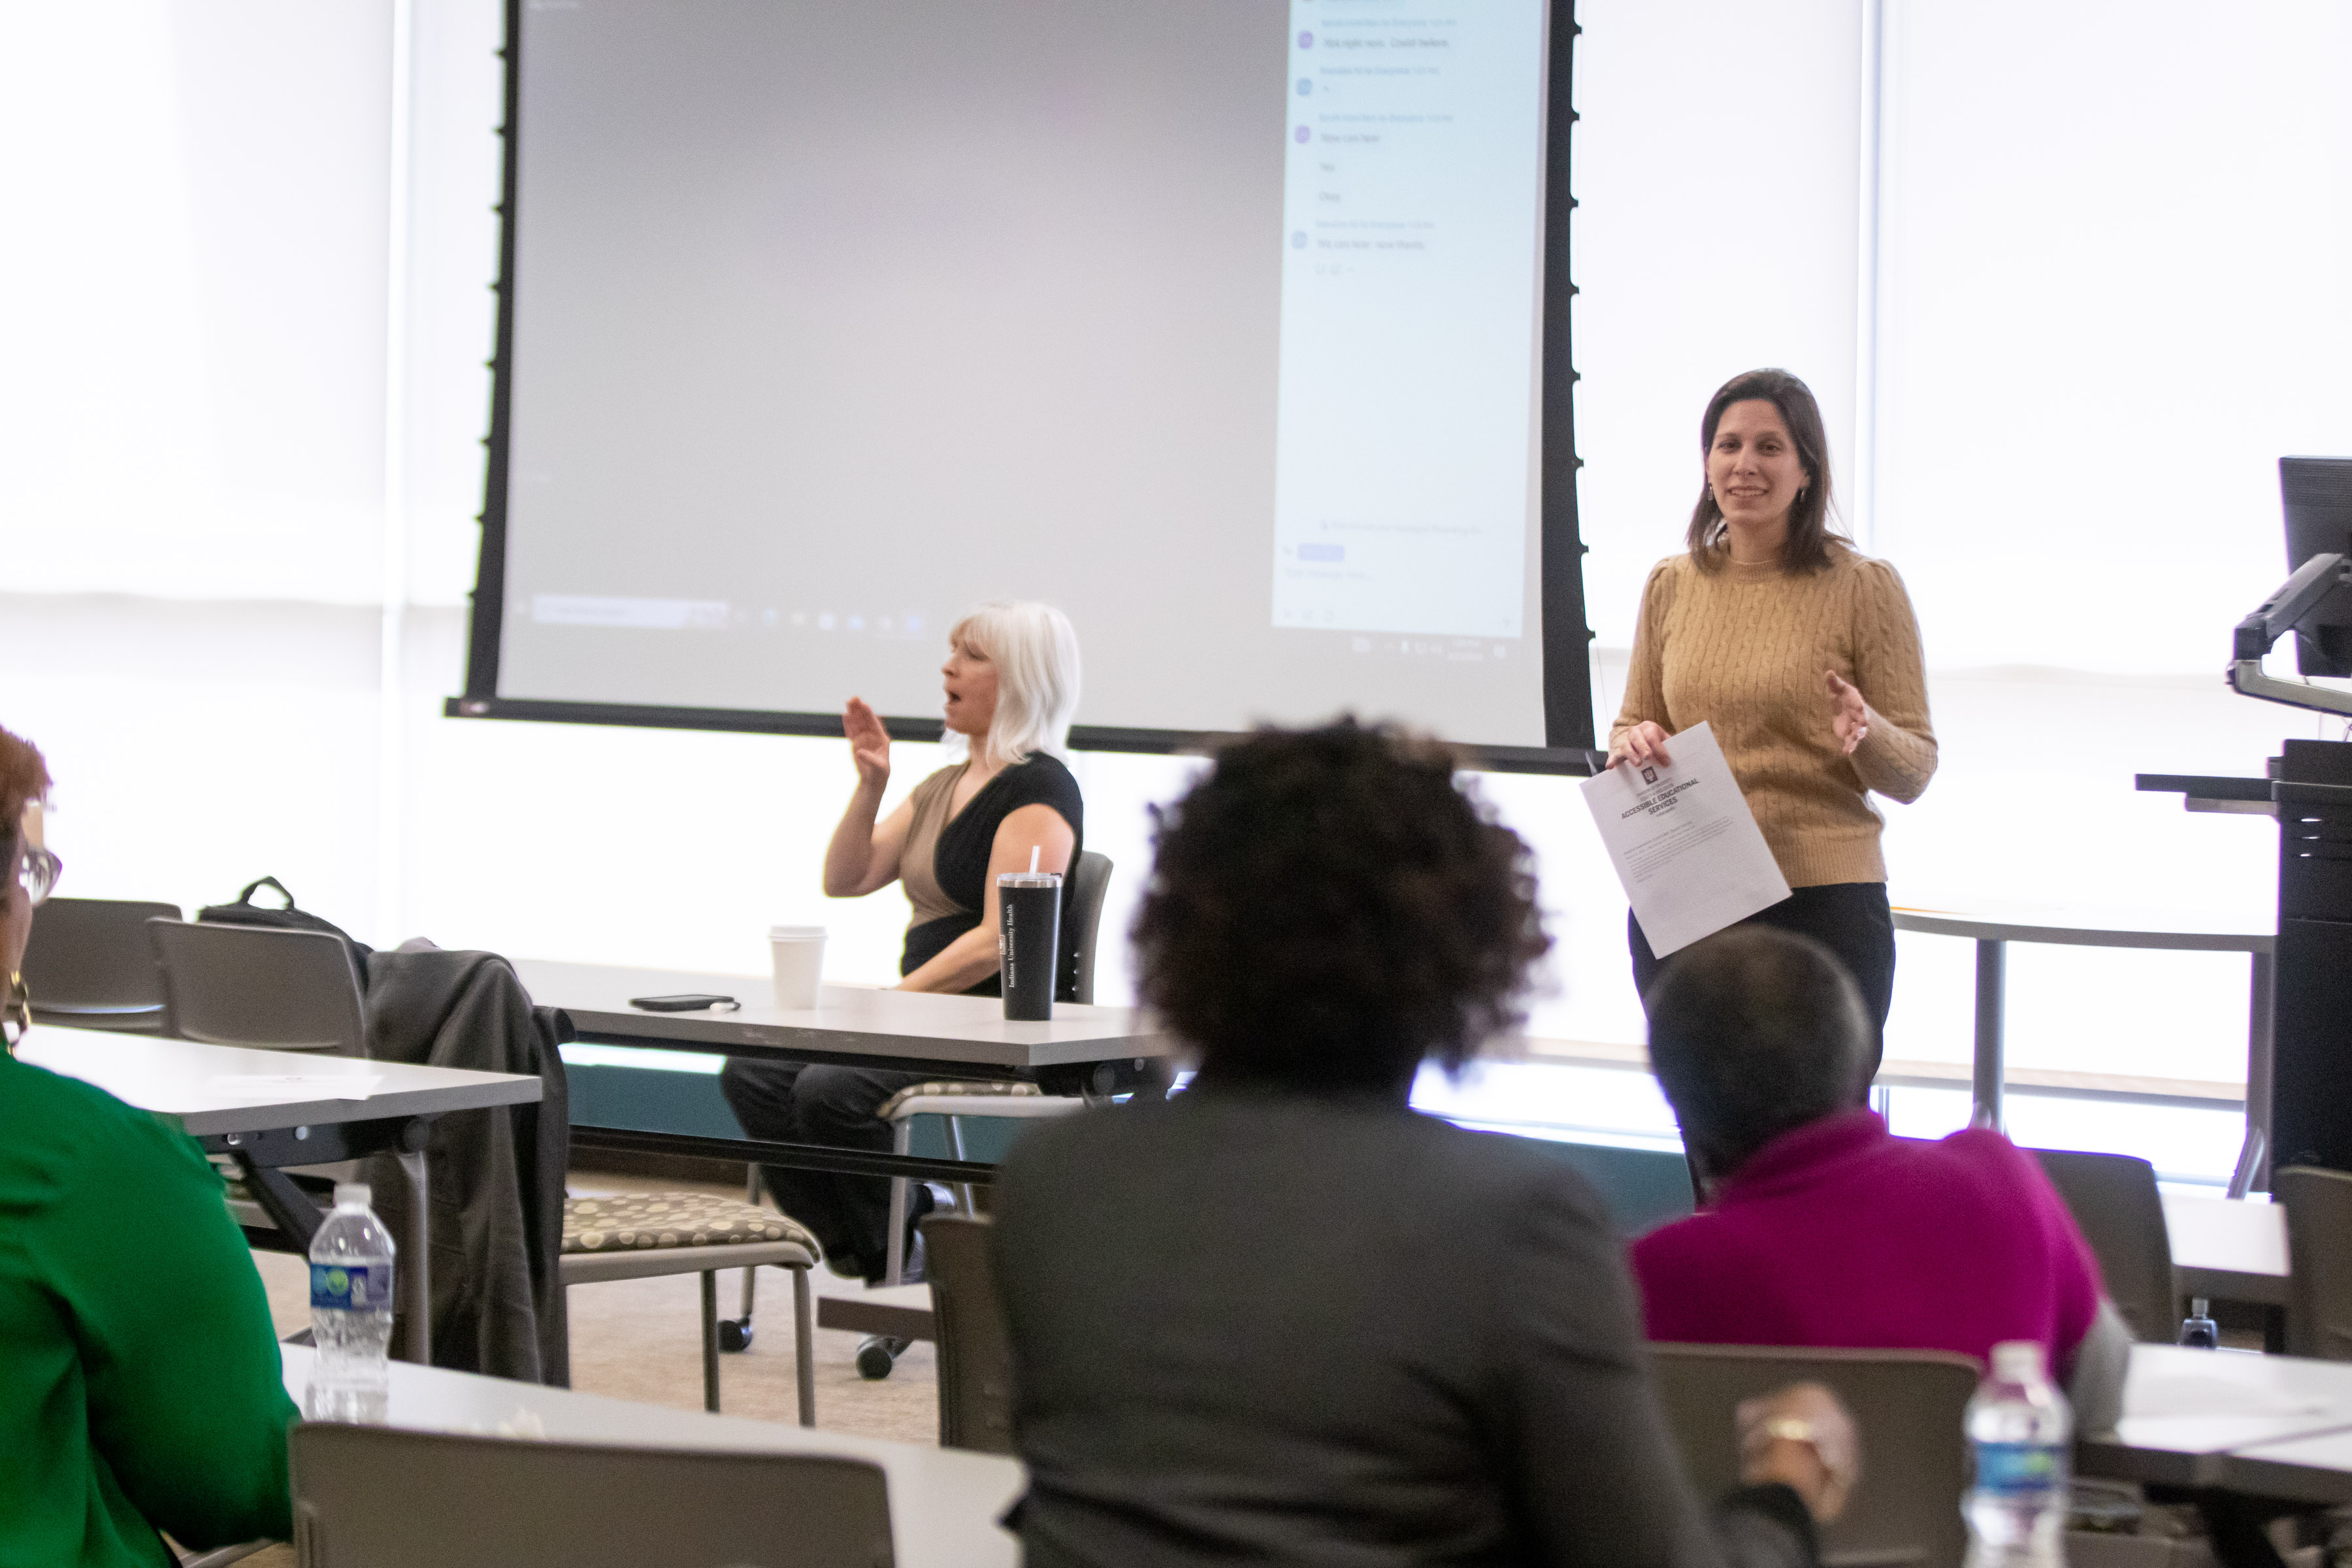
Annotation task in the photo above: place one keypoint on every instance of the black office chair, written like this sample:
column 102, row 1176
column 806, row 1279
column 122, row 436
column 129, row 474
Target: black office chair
column 2116, row 1205
column 88, row 965
column 253, row 986
column 1089, row 886
column 1909, row 1409
column 975, row 1346
column 2318, row 1260
column 297, row 990
column 374, row 1496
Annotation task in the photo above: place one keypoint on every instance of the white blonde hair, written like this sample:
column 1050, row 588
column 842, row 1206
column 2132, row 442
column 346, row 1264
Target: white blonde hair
column 1035, row 651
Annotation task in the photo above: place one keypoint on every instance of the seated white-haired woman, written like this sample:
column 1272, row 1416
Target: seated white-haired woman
column 1012, row 682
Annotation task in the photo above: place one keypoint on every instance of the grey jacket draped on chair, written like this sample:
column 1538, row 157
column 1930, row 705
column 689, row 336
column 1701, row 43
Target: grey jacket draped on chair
column 495, row 1176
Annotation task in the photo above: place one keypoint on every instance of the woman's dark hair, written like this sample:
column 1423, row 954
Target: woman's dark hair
column 24, row 778
column 1753, row 1033
column 1328, row 907
column 1808, row 548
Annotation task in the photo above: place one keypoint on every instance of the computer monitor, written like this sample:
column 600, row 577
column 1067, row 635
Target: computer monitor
column 2318, row 494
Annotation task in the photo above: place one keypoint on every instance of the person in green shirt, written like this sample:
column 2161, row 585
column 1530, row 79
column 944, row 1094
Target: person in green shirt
column 140, row 1383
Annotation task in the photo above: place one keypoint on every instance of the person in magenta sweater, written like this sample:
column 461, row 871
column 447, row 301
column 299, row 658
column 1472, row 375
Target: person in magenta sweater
column 1819, row 1226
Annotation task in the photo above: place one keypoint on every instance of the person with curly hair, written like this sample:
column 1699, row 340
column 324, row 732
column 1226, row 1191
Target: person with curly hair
column 140, row 1383
column 1281, row 1317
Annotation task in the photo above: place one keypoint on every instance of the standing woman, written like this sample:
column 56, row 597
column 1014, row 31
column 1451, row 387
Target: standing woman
column 1011, row 686
column 1802, row 655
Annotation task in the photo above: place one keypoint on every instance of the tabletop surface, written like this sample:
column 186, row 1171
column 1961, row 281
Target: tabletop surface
column 944, row 1502
column 2226, row 1235
column 2087, row 928
column 2185, row 1409
column 850, row 1019
column 2317, row 1468
column 212, row 1089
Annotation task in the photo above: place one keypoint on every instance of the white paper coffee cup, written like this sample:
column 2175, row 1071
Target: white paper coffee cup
column 798, row 952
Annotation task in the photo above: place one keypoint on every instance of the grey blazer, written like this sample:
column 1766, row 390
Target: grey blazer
column 1251, row 1326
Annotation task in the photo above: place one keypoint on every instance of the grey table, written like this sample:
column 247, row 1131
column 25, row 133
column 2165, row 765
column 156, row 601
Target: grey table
column 944, row 1502
column 294, row 1120
column 1993, row 934
column 2187, row 1413
column 2315, row 1468
column 868, row 1025
column 1090, row 1050
column 2228, row 1249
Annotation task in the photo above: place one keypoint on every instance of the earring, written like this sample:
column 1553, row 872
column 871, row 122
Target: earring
column 15, row 1009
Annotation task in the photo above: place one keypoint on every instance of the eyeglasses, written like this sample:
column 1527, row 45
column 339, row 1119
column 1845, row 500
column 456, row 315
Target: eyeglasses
column 39, row 869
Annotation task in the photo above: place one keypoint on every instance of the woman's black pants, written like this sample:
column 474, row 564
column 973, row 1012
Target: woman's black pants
column 792, row 1102
column 1851, row 919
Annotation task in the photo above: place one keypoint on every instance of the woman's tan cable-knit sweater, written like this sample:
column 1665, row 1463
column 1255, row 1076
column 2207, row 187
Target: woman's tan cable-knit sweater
column 1745, row 648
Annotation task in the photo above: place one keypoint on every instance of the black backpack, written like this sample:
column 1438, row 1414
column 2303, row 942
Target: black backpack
column 246, row 912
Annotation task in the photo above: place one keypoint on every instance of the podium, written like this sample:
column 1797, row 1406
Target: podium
column 2309, row 791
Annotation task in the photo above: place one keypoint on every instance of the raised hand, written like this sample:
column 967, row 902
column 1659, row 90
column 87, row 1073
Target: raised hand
column 869, row 743
column 1848, row 714
column 1642, row 743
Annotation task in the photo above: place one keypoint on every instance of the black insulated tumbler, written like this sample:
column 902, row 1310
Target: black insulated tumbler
column 1029, row 905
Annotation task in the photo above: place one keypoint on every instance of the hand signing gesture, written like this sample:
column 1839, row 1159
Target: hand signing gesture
column 1848, row 714
column 869, row 743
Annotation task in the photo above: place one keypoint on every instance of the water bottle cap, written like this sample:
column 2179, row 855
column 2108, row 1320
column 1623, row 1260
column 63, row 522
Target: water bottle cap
column 2017, row 1360
column 347, row 1194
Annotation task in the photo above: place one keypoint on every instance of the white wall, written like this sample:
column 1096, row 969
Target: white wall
column 192, row 404
column 2106, row 303
column 1716, row 178
column 2115, row 294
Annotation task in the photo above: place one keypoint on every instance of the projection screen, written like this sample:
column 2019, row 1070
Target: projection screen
column 1220, row 325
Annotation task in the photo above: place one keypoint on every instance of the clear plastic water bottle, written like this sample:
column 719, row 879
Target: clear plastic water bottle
column 351, row 1310
column 2198, row 1329
column 2021, row 1432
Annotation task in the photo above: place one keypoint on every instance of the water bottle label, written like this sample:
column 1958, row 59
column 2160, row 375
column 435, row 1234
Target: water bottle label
column 350, row 1288
column 2020, row 1470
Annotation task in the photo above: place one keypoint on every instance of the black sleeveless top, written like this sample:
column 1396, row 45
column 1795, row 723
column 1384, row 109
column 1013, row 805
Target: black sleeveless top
column 959, row 864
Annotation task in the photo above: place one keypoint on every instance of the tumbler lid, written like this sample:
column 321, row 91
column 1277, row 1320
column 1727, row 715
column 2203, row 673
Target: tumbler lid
column 1029, row 879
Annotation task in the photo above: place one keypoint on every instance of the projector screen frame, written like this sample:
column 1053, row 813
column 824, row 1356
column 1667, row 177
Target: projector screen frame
column 1568, row 719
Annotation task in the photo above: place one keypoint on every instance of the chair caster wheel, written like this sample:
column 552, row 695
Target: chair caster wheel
column 734, row 1333
column 877, row 1355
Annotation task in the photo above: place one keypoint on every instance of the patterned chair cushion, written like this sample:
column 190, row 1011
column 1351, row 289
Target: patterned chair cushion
column 899, row 1104
column 671, row 1219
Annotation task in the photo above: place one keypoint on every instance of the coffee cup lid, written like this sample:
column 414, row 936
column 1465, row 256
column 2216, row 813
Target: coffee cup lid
column 796, row 933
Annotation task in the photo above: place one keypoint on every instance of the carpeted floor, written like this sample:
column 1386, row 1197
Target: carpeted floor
column 641, row 1340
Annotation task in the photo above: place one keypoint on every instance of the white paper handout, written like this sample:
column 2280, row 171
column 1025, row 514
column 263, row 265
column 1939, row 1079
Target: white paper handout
column 1683, row 842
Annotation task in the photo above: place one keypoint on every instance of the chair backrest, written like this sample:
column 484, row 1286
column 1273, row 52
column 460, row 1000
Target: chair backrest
column 1089, row 881
column 1908, row 1407
column 976, row 1349
column 88, row 965
column 505, row 1502
column 250, row 985
column 2318, row 1260
column 2120, row 1214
